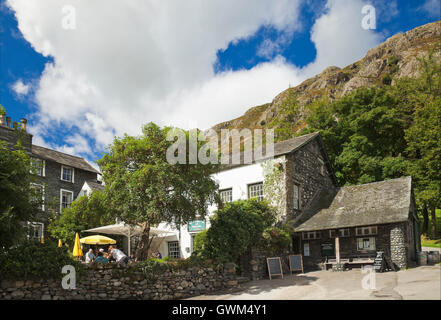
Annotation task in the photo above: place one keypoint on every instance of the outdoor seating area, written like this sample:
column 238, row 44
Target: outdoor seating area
column 349, row 262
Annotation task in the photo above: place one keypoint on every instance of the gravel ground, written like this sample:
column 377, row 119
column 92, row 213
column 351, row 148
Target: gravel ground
column 421, row 283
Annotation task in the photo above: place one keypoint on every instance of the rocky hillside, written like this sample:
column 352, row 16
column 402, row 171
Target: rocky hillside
column 397, row 57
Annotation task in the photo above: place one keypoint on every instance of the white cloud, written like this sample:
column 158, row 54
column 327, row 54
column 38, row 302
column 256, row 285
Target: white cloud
column 20, row 88
column 131, row 62
column 432, row 8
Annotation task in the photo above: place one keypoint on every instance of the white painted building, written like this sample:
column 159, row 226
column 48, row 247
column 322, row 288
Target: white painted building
column 237, row 183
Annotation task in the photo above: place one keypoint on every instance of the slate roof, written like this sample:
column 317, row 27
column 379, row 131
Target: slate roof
column 361, row 205
column 62, row 158
column 95, row 185
column 280, row 148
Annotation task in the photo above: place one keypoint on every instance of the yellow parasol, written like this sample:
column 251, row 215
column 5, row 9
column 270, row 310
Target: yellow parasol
column 59, row 243
column 77, row 252
column 97, row 239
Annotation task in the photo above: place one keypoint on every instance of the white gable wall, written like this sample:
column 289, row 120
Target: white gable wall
column 238, row 180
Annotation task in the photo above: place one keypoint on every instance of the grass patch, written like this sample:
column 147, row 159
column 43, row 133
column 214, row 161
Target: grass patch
column 431, row 243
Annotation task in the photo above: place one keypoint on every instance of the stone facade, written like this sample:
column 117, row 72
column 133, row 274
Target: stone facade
column 303, row 167
column 53, row 184
column 109, row 282
column 391, row 238
column 51, row 180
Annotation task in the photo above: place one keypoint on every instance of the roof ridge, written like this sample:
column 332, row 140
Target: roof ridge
column 67, row 154
column 382, row 181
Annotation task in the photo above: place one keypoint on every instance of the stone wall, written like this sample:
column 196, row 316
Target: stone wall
column 110, row 282
column 398, row 245
column 305, row 169
column 254, row 265
column 11, row 136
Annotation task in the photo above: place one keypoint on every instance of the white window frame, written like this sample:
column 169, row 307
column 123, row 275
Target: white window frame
column 322, row 166
column 366, row 231
column 230, row 195
column 259, row 197
column 73, row 174
column 371, row 244
column 43, row 193
column 178, row 249
column 298, row 196
column 43, row 167
column 341, row 233
column 311, row 235
column 61, row 198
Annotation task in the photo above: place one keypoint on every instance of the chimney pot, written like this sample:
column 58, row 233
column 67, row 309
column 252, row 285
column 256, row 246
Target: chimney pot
column 2, row 120
column 23, row 123
column 8, row 122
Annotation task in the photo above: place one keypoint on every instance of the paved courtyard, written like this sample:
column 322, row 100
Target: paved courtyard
column 415, row 284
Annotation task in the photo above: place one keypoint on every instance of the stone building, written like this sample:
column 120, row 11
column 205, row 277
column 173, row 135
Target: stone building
column 59, row 176
column 364, row 218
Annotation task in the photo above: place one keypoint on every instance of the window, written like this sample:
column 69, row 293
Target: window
column 39, row 191
column 38, row 167
column 67, row 174
column 322, row 166
column 66, row 198
column 364, row 244
column 255, row 191
column 226, row 195
column 364, row 231
column 341, row 233
column 311, row 235
column 173, row 249
column 296, row 197
column 35, row 230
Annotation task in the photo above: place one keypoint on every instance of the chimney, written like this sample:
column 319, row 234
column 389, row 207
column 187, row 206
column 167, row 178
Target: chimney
column 2, row 120
column 8, row 122
column 23, row 123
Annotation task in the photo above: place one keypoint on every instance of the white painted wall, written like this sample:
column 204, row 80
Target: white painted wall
column 238, row 179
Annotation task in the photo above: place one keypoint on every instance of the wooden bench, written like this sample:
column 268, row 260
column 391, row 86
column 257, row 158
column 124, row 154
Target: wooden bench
column 350, row 261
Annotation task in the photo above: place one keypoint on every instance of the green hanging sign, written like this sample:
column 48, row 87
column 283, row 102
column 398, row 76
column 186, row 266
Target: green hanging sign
column 196, row 225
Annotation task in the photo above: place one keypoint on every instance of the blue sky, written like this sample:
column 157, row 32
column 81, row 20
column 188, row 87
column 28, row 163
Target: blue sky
column 35, row 70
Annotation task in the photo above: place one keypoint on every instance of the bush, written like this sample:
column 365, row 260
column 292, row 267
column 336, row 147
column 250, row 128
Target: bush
column 276, row 240
column 199, row 241
column 235, row 227
column 34, row 260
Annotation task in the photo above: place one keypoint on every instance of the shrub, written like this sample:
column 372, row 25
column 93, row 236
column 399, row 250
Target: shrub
column 276, row 240
column 235, row 227
column 199, row 241
column 34, row 260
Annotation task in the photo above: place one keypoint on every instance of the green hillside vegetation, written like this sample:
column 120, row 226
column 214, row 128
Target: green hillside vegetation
column 386, row 132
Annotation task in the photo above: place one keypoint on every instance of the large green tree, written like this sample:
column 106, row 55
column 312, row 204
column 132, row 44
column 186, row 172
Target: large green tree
column 19, row 201
column 144, row 188
column 381, row 133
column 84, row 213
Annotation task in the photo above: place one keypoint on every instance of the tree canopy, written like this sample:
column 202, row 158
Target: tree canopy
column 19, row 201
column 382, row 133
column 144, row 188
column 84, row 213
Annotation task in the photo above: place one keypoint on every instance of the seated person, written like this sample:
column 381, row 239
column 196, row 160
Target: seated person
column 89, row 256
column 100, row 258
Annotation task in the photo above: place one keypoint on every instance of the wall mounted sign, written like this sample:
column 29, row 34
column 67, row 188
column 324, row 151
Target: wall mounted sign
column 196, row 226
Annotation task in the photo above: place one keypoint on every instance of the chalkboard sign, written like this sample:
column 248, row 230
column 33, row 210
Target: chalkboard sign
column 379, row 262
column 295, row 262
column 274, row 267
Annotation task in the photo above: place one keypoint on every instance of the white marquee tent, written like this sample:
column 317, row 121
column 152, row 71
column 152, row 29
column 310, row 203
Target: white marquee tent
column 128, row 231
